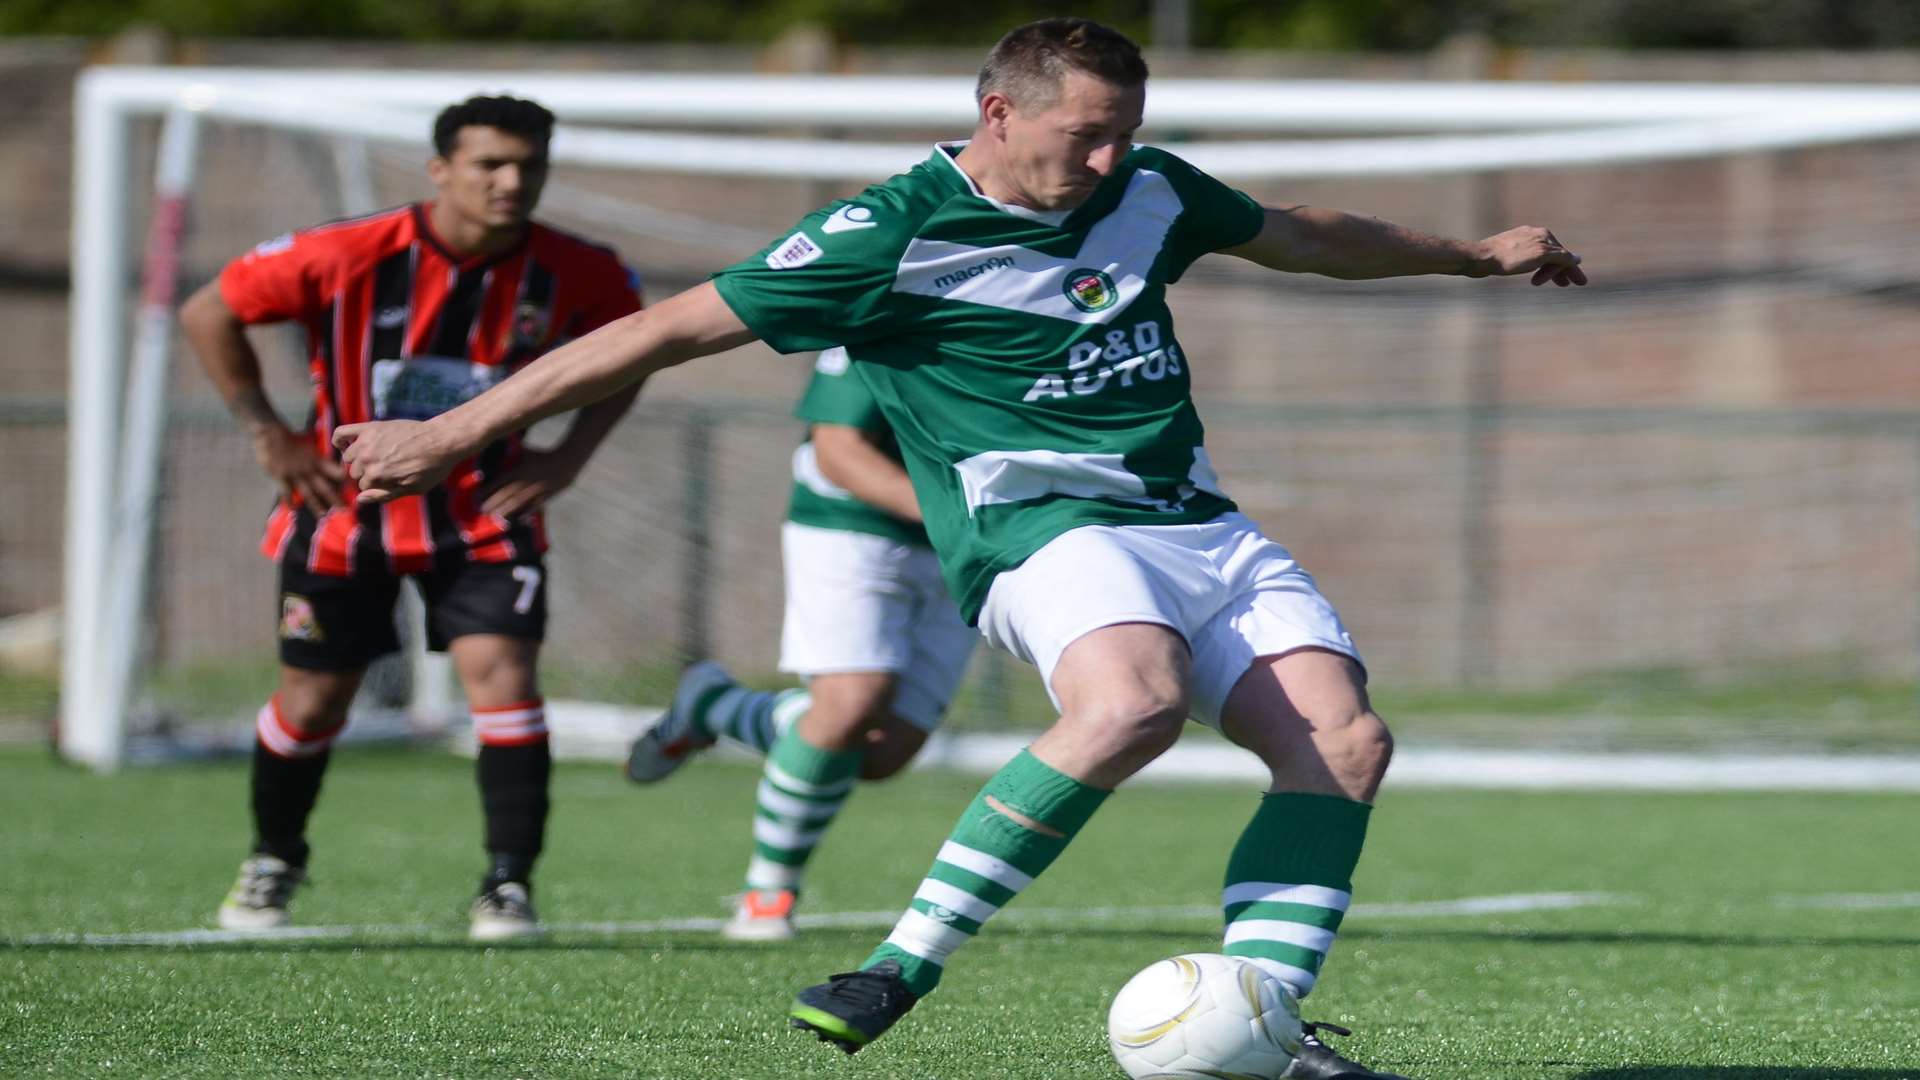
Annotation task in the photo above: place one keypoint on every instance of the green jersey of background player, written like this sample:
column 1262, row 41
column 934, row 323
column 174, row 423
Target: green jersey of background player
column 1006, row 302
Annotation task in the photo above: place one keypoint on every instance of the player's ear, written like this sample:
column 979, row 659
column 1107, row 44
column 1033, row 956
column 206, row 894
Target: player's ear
column 994, row 109
column 438, row 169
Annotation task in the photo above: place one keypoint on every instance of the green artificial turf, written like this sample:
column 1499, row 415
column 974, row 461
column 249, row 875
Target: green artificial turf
column 1714, row 958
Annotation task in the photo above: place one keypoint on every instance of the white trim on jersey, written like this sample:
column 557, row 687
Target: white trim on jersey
column 1010, row 476
column 807, row 473
column 1124, row 245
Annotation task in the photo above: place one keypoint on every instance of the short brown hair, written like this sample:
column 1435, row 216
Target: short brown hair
column 1028, row 64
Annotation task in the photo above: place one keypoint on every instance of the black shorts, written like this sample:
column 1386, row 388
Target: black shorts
column 341, row 623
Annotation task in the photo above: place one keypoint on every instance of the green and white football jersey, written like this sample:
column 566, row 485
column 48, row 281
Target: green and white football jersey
column 837, row 396
column 1025, row 360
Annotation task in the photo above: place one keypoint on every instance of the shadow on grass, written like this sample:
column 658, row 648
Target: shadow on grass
column 1743, row 1072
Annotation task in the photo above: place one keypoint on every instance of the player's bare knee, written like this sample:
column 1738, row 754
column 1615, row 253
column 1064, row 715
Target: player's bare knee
column 850, row 706
column 890, row 748
column 1356, row 743
column 1140, row 728
column 848, row 720
column 316, row 701
column 496, row 673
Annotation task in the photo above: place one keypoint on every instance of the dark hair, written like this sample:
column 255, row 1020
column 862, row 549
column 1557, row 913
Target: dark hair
column 1028, row 64
column 515, row 116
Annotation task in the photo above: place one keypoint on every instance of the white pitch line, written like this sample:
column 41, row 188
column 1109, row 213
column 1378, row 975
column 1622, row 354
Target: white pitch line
column 1852, row 901
column 208, row 937
column 1495, row 905
column 855, row 920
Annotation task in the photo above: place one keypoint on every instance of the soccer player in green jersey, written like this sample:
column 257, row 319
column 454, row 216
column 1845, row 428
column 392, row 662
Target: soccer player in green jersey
column 1005, row 301
column 869, row 625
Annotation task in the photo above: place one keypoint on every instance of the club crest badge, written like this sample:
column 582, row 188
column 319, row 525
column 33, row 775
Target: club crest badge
column 297, row 621
column 530, row 323
column 1089, row 289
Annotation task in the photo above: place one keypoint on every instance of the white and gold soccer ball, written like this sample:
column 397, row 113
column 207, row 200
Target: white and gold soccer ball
column 1204, row 1016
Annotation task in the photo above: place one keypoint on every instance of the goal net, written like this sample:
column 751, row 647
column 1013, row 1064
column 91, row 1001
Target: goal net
column 1682, row 504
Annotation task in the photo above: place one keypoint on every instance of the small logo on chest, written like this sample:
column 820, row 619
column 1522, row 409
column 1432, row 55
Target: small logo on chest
column 1089, row 289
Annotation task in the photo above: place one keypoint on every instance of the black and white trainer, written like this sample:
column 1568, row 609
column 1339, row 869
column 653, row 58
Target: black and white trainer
column 1317, row 1061
column 503, row 912
column 854, row 1008
column 260, row 895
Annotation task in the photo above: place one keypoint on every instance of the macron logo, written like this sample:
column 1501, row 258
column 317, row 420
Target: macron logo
column 985, row 266
column 847, row 219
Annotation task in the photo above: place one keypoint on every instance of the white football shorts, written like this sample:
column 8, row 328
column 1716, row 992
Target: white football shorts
column 1231, row 592
column 859, row 602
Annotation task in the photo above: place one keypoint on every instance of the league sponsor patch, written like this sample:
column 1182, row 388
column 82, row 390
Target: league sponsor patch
column 297, row 621
column 795, row 251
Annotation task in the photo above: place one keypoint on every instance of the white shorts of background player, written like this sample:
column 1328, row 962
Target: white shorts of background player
column 857, row 602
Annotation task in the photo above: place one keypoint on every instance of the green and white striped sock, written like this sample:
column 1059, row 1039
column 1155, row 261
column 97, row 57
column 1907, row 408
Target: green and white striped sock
column 986, row 863
column 802, row 787
column 1289, row 881
column 753, row 718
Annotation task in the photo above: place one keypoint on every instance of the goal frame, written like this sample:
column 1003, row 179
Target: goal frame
column 118, row 365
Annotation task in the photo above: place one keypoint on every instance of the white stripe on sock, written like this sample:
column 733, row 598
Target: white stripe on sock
column 1293, row 933
column 785, row 837
column 772, row 798
column 955, row 899
column 764, row 873
column 788, row 707
column 798, row 786
column 1273, row 892
column 1299, row 980
column 987, row 866
column 509, row 717
column 928, row 939
column 490, row 732
column 282, row 740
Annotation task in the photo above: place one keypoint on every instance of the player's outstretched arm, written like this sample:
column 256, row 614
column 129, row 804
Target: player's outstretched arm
column 852, row 459
column 392, row 458
column 1313, row 240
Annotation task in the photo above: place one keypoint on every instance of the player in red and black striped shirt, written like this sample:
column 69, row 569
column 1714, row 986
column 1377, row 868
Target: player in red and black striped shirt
column 409, row 312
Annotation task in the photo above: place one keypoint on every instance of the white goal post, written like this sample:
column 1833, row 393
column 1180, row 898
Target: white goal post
column 712, row 125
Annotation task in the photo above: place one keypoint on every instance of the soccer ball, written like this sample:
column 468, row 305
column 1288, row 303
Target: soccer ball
column 1203, row 1015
